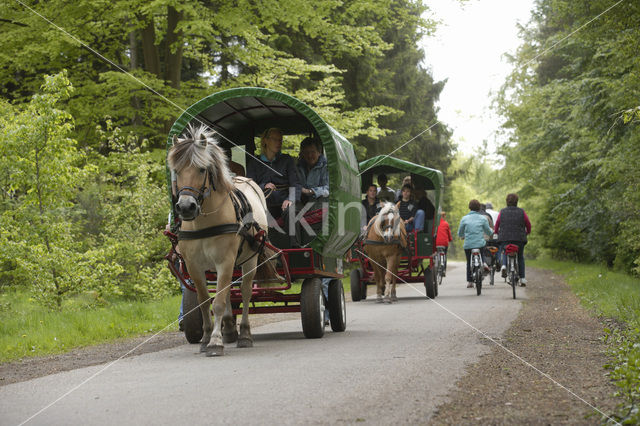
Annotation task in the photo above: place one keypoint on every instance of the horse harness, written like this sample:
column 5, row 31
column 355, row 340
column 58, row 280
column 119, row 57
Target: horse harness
column 242, row 207
column 199, row 194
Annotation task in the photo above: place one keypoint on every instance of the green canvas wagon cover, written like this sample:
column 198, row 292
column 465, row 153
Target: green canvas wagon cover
column 241, row 114
column 432, row 179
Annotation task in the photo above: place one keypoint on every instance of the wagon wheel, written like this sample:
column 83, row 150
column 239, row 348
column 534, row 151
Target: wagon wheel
column 337, row 306
column 436, row 282
column 192, row 319
column 363, row 289
column 356, row 287
column 312, row 308
column 429, row 284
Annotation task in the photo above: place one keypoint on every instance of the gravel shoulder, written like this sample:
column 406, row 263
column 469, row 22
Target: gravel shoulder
column 555, row 334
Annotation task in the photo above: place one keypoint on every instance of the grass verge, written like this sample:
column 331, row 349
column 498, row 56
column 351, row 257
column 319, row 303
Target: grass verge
column 612, row 295
column 31, row 330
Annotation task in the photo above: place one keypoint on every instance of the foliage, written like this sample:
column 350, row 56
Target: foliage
column 41, row 167
column 571, row 107
column 182, row 52
column 66, row 228
column 617, row 296
column 29, row 330
column 82, row 170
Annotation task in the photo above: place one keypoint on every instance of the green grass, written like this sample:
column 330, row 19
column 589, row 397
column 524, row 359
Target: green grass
column 613, row 295
column 31, row 330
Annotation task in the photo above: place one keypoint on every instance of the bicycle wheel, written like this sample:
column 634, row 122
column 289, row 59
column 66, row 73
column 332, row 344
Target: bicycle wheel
column 478, row 278
column 439, row 274
column 513, row 276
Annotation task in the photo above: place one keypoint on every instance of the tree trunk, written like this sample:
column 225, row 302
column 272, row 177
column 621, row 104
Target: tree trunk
column 149, row 48
column 173, row 46
column 133, row 51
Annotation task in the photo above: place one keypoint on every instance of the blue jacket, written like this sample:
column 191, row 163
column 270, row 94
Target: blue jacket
column 316, row 179
column 472, row 227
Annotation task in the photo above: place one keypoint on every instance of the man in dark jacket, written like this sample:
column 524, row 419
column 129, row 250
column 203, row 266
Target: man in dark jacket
column 512, row 227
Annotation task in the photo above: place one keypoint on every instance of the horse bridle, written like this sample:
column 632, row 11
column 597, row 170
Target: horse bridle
column 199, row 194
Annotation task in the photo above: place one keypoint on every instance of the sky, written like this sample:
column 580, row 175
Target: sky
column 467, row 49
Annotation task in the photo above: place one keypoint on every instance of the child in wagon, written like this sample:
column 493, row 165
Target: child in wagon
column 409, row 212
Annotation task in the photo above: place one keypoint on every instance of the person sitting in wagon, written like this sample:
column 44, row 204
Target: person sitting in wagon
column 409, row 212
column 384, row 192
column 313, row 172
column 314, row 178
column 370, row 206
column 275, row 173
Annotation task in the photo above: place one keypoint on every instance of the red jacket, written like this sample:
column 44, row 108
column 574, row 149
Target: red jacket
column 444, row 234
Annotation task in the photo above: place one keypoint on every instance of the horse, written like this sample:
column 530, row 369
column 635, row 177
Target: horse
column 223, row 219
column 385, row 239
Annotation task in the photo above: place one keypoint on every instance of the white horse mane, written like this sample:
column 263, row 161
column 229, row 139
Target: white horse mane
column 387, row 208
column 198, row 147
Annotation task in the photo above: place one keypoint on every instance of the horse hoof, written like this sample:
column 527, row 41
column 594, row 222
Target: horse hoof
column 245, row 343
column 203, row 347
column 217, row 350
column 231, row 337
column 394, row 299
column 379, row 299
column 387, row 300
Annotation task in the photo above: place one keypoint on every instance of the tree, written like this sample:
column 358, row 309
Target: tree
column 183, row 51
column 570, row 146
column 41, row 167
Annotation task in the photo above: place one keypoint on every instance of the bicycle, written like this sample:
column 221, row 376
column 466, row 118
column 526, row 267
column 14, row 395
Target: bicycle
column 513, row 274
column 441, row 262
column 494, row 263
column 477, row 272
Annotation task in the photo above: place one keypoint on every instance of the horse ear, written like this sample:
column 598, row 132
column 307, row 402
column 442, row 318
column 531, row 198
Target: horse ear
column 175, row 140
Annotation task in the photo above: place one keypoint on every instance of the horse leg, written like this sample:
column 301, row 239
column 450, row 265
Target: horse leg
column 204, row 301
column 216, row 346
column 388, row 278
column 229, row 330
column 394, row 279
column 248, row 272
column 377, row 275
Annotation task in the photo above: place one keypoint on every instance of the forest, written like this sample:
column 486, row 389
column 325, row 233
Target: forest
column 89, row 89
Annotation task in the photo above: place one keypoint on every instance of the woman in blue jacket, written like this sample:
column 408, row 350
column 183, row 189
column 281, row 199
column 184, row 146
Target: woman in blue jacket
column 472, row 229
column 312, row 172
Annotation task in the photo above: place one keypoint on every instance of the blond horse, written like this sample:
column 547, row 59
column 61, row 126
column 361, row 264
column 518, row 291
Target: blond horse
column 211, row 234
column 385, row 238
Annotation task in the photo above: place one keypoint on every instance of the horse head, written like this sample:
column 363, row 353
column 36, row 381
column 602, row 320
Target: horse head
column 389, row 223
column 199, row 167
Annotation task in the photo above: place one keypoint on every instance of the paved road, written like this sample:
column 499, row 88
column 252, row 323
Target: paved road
column 394, row 364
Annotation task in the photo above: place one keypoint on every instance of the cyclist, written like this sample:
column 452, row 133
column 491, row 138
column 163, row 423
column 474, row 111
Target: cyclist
column 512, row 227
column 473, row 227
column 444, row 237
column 489, row 209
